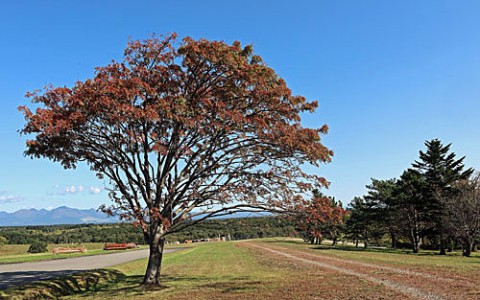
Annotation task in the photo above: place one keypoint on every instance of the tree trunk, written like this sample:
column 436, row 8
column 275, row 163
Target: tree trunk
column 450, row 245
column 365, row 240
column 356, row 243
column 394, row 239
column 416, row 240
column 474, row 246
column 152, row 275
column 467, row 248
column 443, row 246
column 415, row 245
column 334, row 241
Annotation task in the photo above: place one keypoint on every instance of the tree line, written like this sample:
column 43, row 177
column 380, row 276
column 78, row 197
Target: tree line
column 232, row 228
column 435, row 204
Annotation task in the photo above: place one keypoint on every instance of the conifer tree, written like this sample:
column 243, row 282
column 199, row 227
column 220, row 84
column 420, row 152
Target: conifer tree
column 441, row 170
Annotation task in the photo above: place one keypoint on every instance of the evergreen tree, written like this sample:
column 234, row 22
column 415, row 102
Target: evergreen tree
column 362, row 223
column 441, row 170
column 380, row 200
column 411, row 204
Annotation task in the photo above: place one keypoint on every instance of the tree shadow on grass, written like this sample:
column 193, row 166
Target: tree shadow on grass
column 47, row 288
column 372, row 249
column 130, row 286
column 234, row 285
column 296, row 242
column 429, row 253
column 11, row 279
column 361, row 249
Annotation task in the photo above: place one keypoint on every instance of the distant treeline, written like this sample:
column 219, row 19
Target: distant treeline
column 233, row 228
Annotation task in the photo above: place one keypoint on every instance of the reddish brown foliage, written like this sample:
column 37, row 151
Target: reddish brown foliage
column 320, row 215
column 181, row 129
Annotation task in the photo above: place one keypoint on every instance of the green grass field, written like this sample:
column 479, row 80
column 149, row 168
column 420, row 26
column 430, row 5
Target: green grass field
column 18, row 253
column 235, row 270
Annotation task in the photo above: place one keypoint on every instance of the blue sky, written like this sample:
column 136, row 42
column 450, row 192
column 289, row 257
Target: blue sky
column 388, row 75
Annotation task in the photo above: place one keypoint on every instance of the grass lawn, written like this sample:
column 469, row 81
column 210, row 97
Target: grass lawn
column 231, row 271
column 18, row 253
column 234, row 270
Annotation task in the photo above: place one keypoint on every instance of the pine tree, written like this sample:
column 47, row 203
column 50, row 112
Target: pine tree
column 412, row 206
column 441, row 170
column 381, row 201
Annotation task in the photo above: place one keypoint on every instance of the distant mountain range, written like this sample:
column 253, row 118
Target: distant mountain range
column 67, row 215
column 60, row 215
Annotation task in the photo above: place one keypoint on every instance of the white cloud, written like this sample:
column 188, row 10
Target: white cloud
column 95, row 190
column 73, row 189
column 8, row 198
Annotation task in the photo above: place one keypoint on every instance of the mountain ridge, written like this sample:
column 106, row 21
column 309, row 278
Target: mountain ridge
column 55, row 216
column 64, row 215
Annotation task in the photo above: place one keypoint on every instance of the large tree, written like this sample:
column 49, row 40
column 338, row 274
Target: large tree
column 362, row 222
column 413, row 208
column 441, row 171
column 380, row 198
column 322, row 214
column 463, row 209
column 184, row 131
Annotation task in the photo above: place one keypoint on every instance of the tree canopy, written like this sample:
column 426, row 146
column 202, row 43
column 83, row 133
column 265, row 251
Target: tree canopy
column 320, row 215
column 182, row 129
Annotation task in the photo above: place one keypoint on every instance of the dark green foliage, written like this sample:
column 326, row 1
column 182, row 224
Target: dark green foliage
column 234, row 228
column 441, row 171
column 413, row 209
column 381, row 211
column 439, row 166
column 237, row 229
column 37, row 247
column 67, row 234
column 357, row 222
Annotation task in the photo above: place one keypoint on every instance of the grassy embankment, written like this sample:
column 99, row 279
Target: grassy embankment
column 18, row 253
column 232, row 270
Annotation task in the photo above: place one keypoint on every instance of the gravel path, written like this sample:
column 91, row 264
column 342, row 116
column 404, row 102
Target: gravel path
column 407, row 290
column 20, row 273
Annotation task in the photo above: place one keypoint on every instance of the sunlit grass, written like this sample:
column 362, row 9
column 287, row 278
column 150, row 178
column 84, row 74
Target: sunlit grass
column 228, row 271
column 18, row 253
column 233, row 270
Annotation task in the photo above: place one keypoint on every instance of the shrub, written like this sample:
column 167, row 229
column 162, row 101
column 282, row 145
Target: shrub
column 37, row 247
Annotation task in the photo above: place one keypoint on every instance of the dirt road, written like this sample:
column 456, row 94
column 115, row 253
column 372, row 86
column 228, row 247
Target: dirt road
column 20, row 273
column 413, row 284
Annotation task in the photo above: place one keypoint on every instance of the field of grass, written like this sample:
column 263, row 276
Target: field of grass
column 18, row 253
column 231, row 271
column 241, row 270
column 425, row 260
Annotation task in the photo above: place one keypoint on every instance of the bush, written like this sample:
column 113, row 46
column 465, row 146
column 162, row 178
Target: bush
column 37, row 247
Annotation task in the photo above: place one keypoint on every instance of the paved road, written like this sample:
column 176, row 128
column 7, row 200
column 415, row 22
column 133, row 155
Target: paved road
column 20, row 273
